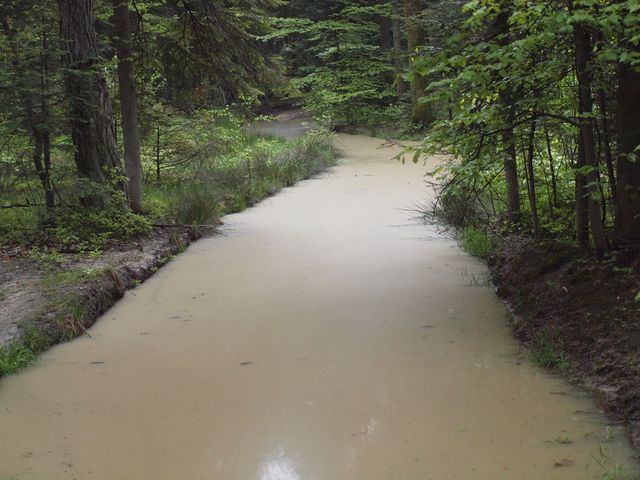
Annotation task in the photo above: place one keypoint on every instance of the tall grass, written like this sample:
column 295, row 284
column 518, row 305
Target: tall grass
column 476, row 242
column 14, row 358
column 239, row 179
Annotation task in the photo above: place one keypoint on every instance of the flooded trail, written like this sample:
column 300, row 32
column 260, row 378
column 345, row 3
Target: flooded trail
column 325, row 336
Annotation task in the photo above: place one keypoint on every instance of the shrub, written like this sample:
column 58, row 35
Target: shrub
column 90, row 216
column 477, row 242
column 195, row 205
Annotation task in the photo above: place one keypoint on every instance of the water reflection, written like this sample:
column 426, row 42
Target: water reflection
column 279, row 467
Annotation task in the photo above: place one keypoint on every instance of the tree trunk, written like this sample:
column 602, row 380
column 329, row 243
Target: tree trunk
column 158, row 155
column 45, row 177
column 511, row 171
column 90, row 112
column 396, row 29
column 533, row 200
column 583, row 49
column 386, row 39
column 552, row 169
column 628, row 168
column 500, row 29
column 582, row 205
column 415, row 39
column 128, row 105
column 608, row 156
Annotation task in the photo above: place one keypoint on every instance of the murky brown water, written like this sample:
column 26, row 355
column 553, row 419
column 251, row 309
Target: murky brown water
column 325, row 337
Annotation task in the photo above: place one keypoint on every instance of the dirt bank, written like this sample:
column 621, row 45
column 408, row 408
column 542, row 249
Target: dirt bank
column 580, row 316
column 48, row 298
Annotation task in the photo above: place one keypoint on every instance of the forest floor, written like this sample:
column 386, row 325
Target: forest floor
column 578, row 316
column 47, row 298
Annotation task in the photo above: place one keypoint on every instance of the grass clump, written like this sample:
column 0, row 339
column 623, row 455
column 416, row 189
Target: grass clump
column 619, row 473
column 64, row 278
column 242, row 177
column 476, row 242
column 14, row 357
column 197, row 205
column 17, row 356
column 545, row 354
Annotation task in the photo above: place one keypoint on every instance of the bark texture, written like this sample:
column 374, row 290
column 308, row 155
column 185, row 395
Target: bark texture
column 90, row 111
column 128, row 103
column 583, row 50
column 628, row 167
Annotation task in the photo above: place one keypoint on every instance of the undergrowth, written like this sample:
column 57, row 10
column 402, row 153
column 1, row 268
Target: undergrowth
column 14, row 358
column 206, row 167
column 477, row 242
column 18, row 355
column 545, row 354
column 238, row 180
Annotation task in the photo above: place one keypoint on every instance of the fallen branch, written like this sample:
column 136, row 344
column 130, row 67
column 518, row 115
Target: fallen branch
column 182, row 225
column 20, row 205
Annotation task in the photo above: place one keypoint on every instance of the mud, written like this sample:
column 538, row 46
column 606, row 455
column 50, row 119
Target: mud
column 32, row 301
column 586, row 309
column 325, row 335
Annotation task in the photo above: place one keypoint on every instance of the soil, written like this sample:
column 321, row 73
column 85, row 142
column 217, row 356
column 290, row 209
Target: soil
column 37, row 297
column 587, row 309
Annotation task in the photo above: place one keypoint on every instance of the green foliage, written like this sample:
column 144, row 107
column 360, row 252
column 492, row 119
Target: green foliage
column 547, row 355
column 14, row 358
column 14, row 222
column 206, row 52
column 195, row 205
column 509, row 70
column 65, row 278
column 477, row 242
column 619, row 473
column 91, row 216
column 213, row 166
column 346, row 77
column 35, row 340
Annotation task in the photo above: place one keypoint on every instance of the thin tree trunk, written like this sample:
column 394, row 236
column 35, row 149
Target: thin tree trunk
column 583, row 50
column 533, row 200
column 158, row 155
column 46, row 136
column 500, row 29
column 396, row 29
column 582, row 205
column 415, row 39
column 552, row 169
column 128, row 104
column 90, row 112
column 386, row 39
column 511, row 173
column 608, row 156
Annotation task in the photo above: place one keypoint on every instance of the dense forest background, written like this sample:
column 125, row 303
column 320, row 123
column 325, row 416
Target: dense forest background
column 117, row 115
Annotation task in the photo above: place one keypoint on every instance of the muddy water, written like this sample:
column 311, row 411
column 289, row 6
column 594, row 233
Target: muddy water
column 326, row 336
